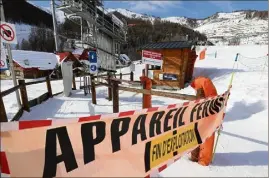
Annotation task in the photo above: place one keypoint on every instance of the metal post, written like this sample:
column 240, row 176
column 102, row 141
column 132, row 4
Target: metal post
column 54, row 25
column 81, row 31
column 10, row 58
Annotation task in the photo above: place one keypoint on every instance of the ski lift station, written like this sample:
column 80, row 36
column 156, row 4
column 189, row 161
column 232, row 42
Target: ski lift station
column 100, row 30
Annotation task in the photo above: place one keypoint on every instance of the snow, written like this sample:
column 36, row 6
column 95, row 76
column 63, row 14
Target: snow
column 34, row 59
column 243, row 145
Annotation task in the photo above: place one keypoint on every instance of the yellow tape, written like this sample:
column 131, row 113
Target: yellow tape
column 169, row 145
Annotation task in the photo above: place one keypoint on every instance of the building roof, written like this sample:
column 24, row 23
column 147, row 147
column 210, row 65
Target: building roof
column 169, row 45
column 65, row 56
column 34, row 59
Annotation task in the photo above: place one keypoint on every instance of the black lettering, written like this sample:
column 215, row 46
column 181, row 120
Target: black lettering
column 215, row 107
column 88, row 140
column 176, row 118
column 192, row 112
column 173, row 142
column 180, row 120
column 211, row 107
column 166, row 120
column 220, row 103
column 199, row 109
column 153, row 153
column 205, row 111
column 51, row 157
column 158, row 151
column 179, row 140
column 139, row 128
column 155, row 124
column 169, row 146
column 164, row 147
column 116, row 132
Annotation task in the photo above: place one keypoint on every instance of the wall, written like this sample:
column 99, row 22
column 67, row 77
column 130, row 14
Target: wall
column 175, row 62
column 105, row 58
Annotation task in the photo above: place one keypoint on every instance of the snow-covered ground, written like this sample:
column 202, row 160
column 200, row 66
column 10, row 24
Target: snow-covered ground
column 243, row 144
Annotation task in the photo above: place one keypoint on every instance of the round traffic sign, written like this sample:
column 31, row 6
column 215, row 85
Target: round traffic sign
column 6, row 32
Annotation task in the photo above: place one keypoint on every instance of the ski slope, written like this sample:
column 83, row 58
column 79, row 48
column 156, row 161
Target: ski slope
column 243, row 144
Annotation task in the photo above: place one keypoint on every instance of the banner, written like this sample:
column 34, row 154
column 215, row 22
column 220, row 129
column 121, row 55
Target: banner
column 152, row 58
column 129, row 144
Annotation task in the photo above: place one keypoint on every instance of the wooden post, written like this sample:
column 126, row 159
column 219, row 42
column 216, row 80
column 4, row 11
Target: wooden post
column 93, row 90
column 24, row 98
column 115, row 86
column 109, row 88
column 132, row 76
column 120, row 75
column 3, row 114
column 49, row 86
column 74, row 82
column 146, row 82
column 195, row 153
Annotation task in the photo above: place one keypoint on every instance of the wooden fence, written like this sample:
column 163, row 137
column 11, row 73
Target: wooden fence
column 26, row 104
column 90, row 85
column 113, row 84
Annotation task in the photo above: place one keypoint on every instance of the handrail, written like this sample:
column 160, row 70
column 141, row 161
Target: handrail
column 10, row 90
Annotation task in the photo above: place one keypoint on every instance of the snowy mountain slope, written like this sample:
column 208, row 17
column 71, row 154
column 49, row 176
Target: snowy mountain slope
column 220, row 27
column 131, row 14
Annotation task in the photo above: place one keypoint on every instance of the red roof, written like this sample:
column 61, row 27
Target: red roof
column 67, row 56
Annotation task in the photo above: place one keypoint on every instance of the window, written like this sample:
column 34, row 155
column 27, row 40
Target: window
column 152, row 67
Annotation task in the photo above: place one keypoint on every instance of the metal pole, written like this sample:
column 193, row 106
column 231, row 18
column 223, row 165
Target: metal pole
column 10, row 58
column 81, row 25
column 52, row 3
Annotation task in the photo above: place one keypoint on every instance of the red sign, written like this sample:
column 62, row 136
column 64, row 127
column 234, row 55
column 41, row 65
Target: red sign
column 152, row 58
column 7, row 32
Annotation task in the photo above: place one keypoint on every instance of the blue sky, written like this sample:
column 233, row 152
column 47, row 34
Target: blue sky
column 194, row 9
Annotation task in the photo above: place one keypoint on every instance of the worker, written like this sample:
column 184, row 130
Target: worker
column 203, row 153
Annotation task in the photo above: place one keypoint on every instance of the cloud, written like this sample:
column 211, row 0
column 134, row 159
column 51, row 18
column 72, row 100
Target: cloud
column 152, row 6
column 225, row 6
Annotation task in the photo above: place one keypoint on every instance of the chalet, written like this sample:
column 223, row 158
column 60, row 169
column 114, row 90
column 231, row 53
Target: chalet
column 33, row 64
column 178, row 63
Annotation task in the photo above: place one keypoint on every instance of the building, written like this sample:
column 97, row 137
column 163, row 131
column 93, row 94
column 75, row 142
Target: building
column 178, row 63
column 33, row 64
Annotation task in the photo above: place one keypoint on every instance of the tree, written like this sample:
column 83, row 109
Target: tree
column 17, row 46
column 41, row 39
column 25, row 45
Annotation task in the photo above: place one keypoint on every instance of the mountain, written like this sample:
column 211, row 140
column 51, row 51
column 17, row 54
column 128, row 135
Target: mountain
column 244, row 27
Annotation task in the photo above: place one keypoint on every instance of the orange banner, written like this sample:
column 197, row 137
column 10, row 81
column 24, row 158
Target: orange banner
column 116, row 147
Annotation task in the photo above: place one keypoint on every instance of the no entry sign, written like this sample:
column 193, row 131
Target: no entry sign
column 8, row 33
column 152, row 58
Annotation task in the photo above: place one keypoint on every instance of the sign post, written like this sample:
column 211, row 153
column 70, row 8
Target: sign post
column 8, row 35
column 93, row 62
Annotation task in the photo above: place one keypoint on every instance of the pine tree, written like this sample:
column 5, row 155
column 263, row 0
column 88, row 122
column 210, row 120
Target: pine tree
column 17, row 46
column 25, row 45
